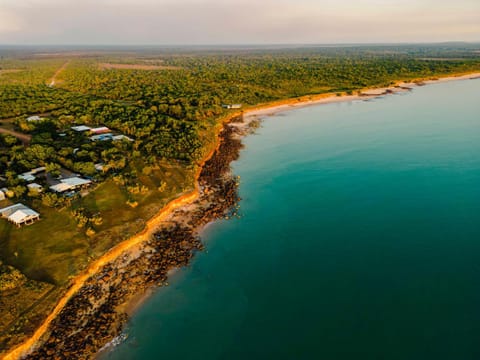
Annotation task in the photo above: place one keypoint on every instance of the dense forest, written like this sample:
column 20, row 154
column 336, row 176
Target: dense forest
column 164, row 110
column 161, row 107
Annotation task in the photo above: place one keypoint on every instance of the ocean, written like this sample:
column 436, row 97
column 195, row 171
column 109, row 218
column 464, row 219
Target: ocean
column 359, row 238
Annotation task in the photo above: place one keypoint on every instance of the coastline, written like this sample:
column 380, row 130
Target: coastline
column 363, row 94
column 176, row 211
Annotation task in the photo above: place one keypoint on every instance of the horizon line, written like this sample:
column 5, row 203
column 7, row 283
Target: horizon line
column 446, row 42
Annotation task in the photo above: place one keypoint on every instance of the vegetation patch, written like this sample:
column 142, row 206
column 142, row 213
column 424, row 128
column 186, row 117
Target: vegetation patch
column 136, row 67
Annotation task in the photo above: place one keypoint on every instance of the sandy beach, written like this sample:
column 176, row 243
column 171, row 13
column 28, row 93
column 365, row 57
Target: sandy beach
column 329, row 98
column 180, row 211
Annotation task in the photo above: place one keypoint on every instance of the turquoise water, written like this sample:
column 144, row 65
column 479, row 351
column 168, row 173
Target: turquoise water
column 360, row 239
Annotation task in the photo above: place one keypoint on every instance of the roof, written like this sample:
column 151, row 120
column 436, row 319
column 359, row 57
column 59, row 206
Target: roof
column 34, row 186
column 101, row 137
column 37, row 170
column 69, row 184
column 99, row 130
column 121, row 137
column 22, row 215
column 34, row 118
column 81, row 128
column 27, row 177
column 12, row 209
column 61, row 187
column 76, row 181
column 232, row 106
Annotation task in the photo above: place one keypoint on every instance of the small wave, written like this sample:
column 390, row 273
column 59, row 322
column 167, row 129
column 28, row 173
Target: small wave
column 114, row 343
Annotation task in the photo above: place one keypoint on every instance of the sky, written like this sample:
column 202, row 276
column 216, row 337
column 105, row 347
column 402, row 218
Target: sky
column 223, row 22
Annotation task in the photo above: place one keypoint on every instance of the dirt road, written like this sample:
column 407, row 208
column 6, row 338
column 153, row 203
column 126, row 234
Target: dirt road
column 54, row 78
column 24, row 138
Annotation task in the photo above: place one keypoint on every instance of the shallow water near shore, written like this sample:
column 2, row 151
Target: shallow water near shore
column 360, row 238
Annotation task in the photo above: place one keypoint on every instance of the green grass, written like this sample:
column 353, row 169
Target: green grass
column 50, row 250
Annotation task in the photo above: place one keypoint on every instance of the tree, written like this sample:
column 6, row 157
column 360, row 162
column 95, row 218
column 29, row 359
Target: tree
column 19, row 190
column 53, row 169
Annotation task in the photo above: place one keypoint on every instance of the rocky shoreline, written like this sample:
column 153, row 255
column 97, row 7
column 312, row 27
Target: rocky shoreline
column 97, row 313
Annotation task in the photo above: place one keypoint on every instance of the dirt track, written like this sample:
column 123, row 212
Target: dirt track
column 25, row 139
column 54, row 78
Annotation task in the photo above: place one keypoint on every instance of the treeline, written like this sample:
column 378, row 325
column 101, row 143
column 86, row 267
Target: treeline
column 166, row 111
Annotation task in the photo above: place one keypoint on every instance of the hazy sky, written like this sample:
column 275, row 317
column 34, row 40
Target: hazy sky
column 237, row 21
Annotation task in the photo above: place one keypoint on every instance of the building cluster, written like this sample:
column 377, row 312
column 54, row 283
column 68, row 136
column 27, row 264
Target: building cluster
column 67, row 185
column 101, row 133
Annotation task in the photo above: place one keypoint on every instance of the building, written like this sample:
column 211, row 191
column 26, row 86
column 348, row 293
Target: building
column 38, row 170
column 2, row 195
column 81, row 128
column 34, row 118
column 100, row 130
column 30, row 175
column 6, row 192
column 121, row 137
column 102, row 137
column 70, row 184
column 99, row 166
column 34, row 187
column 60, row 188
column 27, row 177
column 19, row 214
column 232, row 106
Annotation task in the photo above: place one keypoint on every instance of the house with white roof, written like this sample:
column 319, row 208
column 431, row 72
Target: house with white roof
column 69, row 184
column 34, row 118
column 121, row 137
column 34, row 187
column 38, row 170
column 81, row 128
column 19, row 214
column 27, row 177
column 60, row 188
column 30, row 175
column 232, row 106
